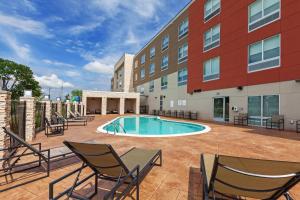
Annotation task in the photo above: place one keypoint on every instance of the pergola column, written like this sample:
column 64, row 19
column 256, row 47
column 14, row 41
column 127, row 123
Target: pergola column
column 104, row 106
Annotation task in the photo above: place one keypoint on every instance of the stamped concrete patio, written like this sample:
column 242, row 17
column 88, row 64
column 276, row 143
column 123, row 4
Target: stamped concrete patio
column 179, row 177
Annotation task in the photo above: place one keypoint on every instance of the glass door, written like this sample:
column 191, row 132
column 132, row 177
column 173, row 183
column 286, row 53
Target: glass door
column 261, row 108
column 219, row 109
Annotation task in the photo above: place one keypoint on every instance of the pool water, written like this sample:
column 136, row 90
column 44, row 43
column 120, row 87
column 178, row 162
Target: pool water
column 151, row 126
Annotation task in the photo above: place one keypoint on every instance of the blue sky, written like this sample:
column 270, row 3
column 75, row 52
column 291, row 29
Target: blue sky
column 75, row 43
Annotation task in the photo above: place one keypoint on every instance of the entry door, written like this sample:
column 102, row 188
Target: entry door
column 221, row 109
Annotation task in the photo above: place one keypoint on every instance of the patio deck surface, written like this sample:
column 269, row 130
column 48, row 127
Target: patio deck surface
column 179, row 177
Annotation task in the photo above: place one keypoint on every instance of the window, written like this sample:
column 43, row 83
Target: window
column 165, row 43
column 135, row 76
column 183, row 28
column 143, row 59
column 152, row 68
column 211, row 69
column 183, row 53
column 142, row 90
column 263, row 12
column 264, row 54
column 152, row 52
column 151, row 86
column 211, row 9
column 262, row 107
column 164, row 62
column 164, row 82
column 142, row 73
column 212, row 38
column 182, row 77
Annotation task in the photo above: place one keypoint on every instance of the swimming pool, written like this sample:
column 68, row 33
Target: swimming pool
column 147, row 126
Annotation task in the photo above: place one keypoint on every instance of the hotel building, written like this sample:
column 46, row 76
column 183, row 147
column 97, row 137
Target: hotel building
column 222, row 57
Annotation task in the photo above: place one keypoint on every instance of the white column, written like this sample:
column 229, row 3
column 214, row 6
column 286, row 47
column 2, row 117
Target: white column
column 104, row 105
column 30, row 117
column 76, row 106
column 48, row 109
column 137, row 106
column 122, row 106
column 5, row 109
column 68, row 108
column 59, row 107
column 81, row 109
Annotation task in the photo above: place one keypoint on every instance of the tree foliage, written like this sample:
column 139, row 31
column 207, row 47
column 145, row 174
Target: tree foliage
column 16, row 78
column 76, row 93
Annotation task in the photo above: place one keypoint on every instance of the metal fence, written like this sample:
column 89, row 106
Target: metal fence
column 53, row 108
column 64, row 110
column 40, row 113
column 18, row 118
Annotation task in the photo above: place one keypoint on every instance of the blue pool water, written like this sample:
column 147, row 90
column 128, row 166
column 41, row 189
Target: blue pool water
column 153, row 126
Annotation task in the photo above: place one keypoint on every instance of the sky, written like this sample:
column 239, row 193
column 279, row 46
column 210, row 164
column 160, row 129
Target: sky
column 75, row 43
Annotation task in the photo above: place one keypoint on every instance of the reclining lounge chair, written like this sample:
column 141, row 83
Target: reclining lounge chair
column 226, row 177
column 88, row 117
column 19, row 150
column 70, row 121
column 128, row 169
column 53, row 129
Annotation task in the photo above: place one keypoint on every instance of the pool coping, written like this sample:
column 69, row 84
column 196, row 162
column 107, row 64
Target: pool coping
column 100, row 129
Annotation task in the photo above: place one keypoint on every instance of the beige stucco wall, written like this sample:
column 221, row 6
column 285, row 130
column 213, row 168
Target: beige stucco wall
column 289, row 95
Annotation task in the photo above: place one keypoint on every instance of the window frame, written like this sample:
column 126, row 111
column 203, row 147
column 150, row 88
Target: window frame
column 152, row 56
column 151, row 73
column 216, row 14
column 164, row 67
column 210, row 60
column 182, row 83
column 263, row 17
column 151, row 87
column 184, row 34
column 162, row 47
column 279, row 57
column 164, row 87
column 143, row 56
column 211, row 30
column 183, row 59
column 142, row 69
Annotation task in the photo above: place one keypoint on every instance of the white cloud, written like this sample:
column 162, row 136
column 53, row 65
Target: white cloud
column 78, row 29
column 52, row 81
column 101, row 66
column 56, row 63
column 72, row 73
column 25, row 25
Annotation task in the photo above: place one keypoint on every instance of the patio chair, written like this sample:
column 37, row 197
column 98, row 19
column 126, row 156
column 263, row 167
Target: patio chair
column 241, row 119
column 298, row 126
column 78, row 122
column 194, row 115
column 53, row 129
column 174, row 113
column 180, row 114
column 168, row 113
column 227, row 177
column 19, row 150
column 128, row 169
column 98, row 111
column 88, row 117
column 154, row 112
column 276, row 121
column 187, row 115
column 161, row 113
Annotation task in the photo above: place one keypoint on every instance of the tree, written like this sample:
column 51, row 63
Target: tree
column 76, row 93
column 16, row 78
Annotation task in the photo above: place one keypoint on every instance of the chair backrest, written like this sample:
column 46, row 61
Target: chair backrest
column 47, row 121
column 253, row 178
column 277, row 118
column 100, row 157
column 59, row 115
column 72, row 114
column 19, row 140
column 77, row 114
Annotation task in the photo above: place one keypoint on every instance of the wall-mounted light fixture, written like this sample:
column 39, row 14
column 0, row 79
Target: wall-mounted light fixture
column 240, row 87
column 297, row 81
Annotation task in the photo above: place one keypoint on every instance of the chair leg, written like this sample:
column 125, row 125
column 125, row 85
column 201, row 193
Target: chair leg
column 288, row 196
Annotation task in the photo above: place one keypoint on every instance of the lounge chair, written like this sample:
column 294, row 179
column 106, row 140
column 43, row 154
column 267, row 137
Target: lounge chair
column 79, row 122
column 276, row 121
column 180, row 114
column 129, row 168
column 98, row 111
column 161, row 113
column 53, row 129
column 194, row 115
column 187, row 115
column 298, row 126
column 88, row 117
column 154, row 112
column 168, row 113
column 241, row 119
column 174, row 113
column 19, row 150
column 226, row 177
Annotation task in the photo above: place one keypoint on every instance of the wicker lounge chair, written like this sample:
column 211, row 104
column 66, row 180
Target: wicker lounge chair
column 226, row 177
column 53, row 129
column 241, row 119
column 82, row 122
column 168, row 113
column 276, row 121
column 21, row 156
column 128, row 169
column 154, row 112
column 187, row 115
column 174, row 113
column 194, row 115
column 161, row 113
column 88, row 117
